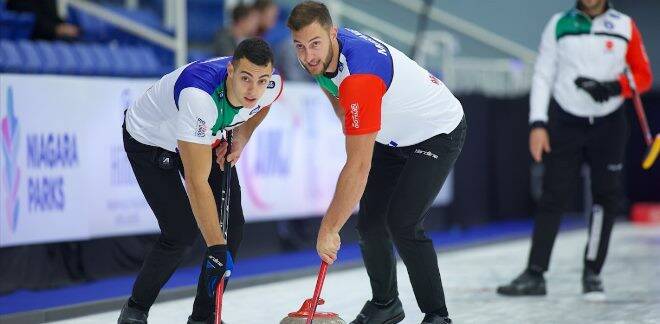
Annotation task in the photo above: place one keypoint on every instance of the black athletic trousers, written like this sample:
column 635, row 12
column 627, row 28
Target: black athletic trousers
column 403, row 182
column 166, row 195
column 600, row 142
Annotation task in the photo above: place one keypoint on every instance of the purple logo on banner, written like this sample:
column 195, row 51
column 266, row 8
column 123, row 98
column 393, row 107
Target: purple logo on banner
column 10, row 136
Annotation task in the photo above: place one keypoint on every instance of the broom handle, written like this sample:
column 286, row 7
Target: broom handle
column 226, row 188
column 641, row 116
column 317, row 291
column 218, row 301
column 639, row 109
column 224, row 223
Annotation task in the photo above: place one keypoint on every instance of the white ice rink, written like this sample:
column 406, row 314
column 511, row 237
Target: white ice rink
column 631, row 276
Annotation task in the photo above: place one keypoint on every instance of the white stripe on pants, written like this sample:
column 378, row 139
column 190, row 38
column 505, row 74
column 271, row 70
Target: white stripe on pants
column 595, row 232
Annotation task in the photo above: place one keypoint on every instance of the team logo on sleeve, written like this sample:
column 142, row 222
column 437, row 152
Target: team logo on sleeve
column 201, row 128
column 271, row 84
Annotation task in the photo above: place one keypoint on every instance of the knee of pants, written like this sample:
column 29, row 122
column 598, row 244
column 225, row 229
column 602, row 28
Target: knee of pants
column 408, row 233
column 236, row 224
column 554, row 202
column 234, row 239
column 177, row 240
column 236, row 220
column 612, row 202
column 372, row 233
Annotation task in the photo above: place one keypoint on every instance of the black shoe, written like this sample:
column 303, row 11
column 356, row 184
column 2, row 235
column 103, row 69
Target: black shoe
column 130, row 315
column 373, row 313
column 526, row 284
column 436, row 319
column 592, row 286
column 191, row 320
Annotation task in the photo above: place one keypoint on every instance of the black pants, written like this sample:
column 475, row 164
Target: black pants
column 600, row 142
column 402, row 184
column 166, row 195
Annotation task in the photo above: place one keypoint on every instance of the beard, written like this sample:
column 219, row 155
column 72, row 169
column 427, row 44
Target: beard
column 325, row 63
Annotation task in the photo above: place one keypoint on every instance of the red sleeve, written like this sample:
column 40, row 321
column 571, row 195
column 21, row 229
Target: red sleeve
column 638, row 62
column 360, row 95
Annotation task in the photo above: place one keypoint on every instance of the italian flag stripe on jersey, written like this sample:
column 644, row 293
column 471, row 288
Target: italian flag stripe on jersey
column 226, row 112
column 328, row 85
column 573, row 23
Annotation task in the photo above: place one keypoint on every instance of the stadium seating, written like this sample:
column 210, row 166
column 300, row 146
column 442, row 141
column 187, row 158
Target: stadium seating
column 104, row 50
column 26, row 56
column 32, row 62
column 67, row 60
column 15, row 25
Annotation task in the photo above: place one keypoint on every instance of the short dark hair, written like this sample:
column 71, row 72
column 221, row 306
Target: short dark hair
column 240, row 12
column 261, row 5
column 256, row 50
column 308, row 12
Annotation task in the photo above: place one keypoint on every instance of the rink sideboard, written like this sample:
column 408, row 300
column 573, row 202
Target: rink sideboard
column 65, row 175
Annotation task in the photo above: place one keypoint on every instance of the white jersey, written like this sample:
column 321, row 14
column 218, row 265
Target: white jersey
column 190, row 104
column 601, row 48
column 389, row 92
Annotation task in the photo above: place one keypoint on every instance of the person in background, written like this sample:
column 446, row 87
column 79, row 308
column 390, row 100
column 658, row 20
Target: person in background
column 244, row 24
column 48, row 24
column 268, row 13
column 279, row 37
column 577, row 116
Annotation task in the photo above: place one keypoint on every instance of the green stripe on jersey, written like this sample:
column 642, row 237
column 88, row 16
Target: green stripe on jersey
column 573, row 23
column 327, row 84
column 226, row 112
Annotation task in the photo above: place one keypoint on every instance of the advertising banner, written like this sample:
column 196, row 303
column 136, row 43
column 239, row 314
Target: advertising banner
column 64, row 174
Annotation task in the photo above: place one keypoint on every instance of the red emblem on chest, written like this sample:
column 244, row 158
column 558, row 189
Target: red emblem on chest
column 609, row 45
